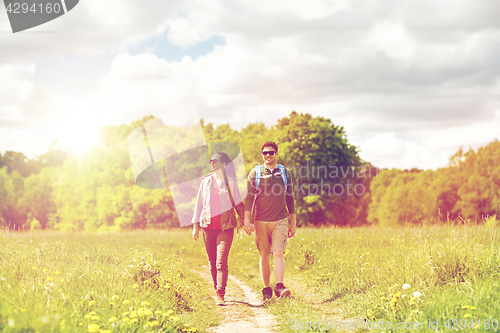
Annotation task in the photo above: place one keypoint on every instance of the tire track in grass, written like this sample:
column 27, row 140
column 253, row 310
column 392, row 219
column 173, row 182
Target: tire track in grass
column 241, row 313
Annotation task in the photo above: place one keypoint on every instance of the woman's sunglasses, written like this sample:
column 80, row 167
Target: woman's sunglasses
column 265, row 153
column 213, row 161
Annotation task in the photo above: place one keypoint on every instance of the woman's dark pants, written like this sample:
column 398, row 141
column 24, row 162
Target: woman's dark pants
column 217, row 244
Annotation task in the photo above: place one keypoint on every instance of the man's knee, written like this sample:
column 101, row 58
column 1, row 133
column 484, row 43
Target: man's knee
column 278, row 255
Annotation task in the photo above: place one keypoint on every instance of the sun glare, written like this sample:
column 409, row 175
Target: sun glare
column 78, row 134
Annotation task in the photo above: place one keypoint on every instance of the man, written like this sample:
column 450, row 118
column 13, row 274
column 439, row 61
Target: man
column 272, row 203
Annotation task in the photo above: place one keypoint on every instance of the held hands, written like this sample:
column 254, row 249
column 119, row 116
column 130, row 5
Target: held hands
column 248, row 227
column 293, row 226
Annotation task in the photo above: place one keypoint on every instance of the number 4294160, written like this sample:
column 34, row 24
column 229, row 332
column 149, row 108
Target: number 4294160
column 18, row 8
column 474, row 324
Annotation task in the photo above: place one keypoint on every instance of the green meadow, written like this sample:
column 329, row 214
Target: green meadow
column 430, row 278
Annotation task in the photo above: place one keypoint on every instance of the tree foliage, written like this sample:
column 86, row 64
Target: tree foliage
column 333, row 186
column 325, row 168
column 97, row 191
column 469, row 188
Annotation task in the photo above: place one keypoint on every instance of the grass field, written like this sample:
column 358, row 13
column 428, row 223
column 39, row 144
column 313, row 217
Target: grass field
column 144, row 282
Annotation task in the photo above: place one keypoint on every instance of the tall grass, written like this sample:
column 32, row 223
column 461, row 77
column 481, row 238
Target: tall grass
column 362, row 271
column 53, row 282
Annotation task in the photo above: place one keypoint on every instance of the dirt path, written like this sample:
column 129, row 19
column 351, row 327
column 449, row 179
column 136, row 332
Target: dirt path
column 241, row 313
column 238, row 316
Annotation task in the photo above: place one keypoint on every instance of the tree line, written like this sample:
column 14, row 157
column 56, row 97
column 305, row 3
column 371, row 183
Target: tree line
column 96, row 190
column 467, row 190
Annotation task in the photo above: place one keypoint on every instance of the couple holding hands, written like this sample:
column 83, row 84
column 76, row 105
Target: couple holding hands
column 269, row 203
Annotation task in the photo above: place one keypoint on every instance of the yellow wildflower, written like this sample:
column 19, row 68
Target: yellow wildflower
column 88, row 315
column 93, row 328
column 125, row 302
column 91, row 303
column 115, row 297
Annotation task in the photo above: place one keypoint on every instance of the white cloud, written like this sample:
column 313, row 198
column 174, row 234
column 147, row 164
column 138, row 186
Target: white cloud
column 93, row 27
column 17, row 83
column 25, row 140
column 425, row 148
column 410, row 77
column 387, row 150
column 391, row 39
column 301, row 9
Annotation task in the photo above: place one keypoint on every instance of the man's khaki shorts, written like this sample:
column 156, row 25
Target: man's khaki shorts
column 271, row 236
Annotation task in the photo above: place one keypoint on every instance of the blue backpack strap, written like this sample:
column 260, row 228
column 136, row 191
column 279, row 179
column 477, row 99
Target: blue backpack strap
column 283, row 173
column 258, row 173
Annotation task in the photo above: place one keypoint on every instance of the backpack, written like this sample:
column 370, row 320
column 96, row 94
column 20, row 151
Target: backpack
column 258, row 174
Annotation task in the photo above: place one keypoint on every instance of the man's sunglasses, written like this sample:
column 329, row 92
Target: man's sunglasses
column 213, row 161
column 271, row 152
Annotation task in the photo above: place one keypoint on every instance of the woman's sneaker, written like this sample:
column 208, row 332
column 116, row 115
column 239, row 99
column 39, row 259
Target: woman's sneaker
column 267, row 293
column 281, row 291
column 220, row 297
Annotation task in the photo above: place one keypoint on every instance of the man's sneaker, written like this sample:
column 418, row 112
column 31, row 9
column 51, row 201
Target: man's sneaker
column 281, row 291
column 267, row 293
column 220, row 297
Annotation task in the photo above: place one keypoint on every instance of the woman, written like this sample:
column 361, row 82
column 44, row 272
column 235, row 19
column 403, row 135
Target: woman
column 214, row 215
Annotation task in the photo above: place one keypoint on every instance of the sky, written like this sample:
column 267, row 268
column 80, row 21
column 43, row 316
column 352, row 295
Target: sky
column 410, row 81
